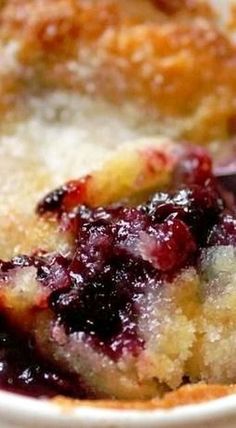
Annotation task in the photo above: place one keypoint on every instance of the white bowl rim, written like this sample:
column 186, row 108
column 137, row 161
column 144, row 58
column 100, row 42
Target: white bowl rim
column 22, row 410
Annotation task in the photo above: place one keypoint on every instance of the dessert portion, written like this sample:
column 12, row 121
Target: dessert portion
column 120, row 284
column 78, row 78
column 142, row 299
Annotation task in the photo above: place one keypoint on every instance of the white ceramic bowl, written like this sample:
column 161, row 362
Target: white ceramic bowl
column 20, row 412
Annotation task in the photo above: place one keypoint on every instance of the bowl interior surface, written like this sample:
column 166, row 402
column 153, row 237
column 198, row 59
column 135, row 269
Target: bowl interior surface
column 17, row 411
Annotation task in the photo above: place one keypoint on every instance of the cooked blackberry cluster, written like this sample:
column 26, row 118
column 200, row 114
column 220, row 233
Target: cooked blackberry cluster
column 130, row 304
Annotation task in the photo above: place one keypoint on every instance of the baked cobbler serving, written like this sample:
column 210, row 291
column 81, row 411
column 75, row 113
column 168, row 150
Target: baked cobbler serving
column 138, row 295
column 119, row 283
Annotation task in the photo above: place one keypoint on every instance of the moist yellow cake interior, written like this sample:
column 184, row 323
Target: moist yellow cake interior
column 74, row 87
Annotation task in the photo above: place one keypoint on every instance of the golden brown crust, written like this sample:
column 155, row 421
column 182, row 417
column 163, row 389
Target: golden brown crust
column 232, row 17
column 178, row 65
column 188, row 394
column 170, row 59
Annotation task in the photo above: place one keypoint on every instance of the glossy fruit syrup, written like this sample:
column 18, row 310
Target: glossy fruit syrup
column 118, row 252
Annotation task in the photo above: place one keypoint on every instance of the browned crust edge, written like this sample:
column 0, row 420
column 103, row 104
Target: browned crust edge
column 186, row 395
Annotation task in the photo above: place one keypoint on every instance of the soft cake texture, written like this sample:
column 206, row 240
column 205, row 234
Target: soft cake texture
column 81, row 77
column 188, row 311
column 77, row 79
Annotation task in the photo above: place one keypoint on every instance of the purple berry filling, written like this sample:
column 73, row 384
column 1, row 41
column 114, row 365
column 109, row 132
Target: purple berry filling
column 120, row 252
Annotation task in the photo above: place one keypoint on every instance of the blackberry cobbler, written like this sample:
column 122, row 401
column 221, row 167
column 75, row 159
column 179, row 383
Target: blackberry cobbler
column 120, row 284
column 141, row 299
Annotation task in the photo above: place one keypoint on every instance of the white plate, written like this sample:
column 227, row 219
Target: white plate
column 18, row 412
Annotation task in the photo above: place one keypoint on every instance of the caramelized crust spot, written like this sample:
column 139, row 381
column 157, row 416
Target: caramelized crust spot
column 171, row 7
